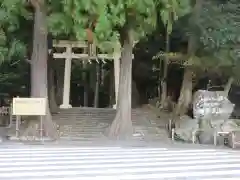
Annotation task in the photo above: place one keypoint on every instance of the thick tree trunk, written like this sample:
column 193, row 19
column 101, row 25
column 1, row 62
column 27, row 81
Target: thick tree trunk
column 39, row 79
column 186, row 90
column 185, row 97
column 96, row 93
column 121, row 127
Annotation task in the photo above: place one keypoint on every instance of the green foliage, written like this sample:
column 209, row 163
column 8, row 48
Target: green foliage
column 12, row 14
column 172, row 10
column 13, row 78
column 217, row 35
column 59, row 23
column 220, row 27
column 107, row 18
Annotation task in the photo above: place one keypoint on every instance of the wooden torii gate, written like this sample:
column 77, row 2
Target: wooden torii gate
column 86, row 55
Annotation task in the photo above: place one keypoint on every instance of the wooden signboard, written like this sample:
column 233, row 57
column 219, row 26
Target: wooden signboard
column 29, row 106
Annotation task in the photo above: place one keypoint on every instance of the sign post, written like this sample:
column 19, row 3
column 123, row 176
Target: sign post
column 29, row 107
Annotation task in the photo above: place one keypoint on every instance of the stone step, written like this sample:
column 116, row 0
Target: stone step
column 96, row 116
column 87, row 124
column 100, row 115
column 84, row 117
column 98, row 123
column 97, row 119
column 98, row 111
column 95, row 111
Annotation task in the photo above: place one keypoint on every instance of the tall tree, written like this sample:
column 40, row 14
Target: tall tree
column 115, row 21
column 39, row 62
column 213, row 43
column 170, row 13
column 186, row 90
column 15, row 15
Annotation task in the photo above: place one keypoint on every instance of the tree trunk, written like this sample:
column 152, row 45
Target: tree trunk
column 165, row 72
column 116, row 67
column 159, row 87
column 51, row 88
column 85, row 93
column 185, row 97
column 39, row 79
column 135, row 95
column 102, row 75
column 112, row 93
column 228, row 86
column 96, row 94
column 121, row 127
column 59, row 82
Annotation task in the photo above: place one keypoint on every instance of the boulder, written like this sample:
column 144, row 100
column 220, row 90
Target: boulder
column 206, row 135
column 210, row 126
column 229, row 125
column 211, row 105
column 184, row 128
column 212, row 109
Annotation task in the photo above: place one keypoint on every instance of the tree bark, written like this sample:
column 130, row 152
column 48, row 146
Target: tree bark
column 96, row 93
column 121, row 127
column 39, row 79
column 51, row 88
column 102, row 76
column 228, row 86
column 112, row 93
column 59, row 82
column 165, row 72
column 135, row 95
column 185, row 97
column 116, row 66
column 85, row 94
column 159, row 88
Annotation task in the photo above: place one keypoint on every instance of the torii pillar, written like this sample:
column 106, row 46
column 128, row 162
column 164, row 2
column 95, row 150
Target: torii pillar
column 67, row 79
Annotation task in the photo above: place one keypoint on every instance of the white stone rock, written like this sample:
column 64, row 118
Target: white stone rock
column 185, row 126
column 208, row 128
column 211, row 104
column 229, row 125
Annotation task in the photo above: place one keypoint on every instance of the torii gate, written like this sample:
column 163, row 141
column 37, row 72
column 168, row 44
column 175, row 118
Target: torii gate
column 68, row 55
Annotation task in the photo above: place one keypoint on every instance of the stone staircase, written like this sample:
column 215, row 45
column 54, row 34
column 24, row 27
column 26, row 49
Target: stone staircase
column 83, row 123
column 89, row 124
